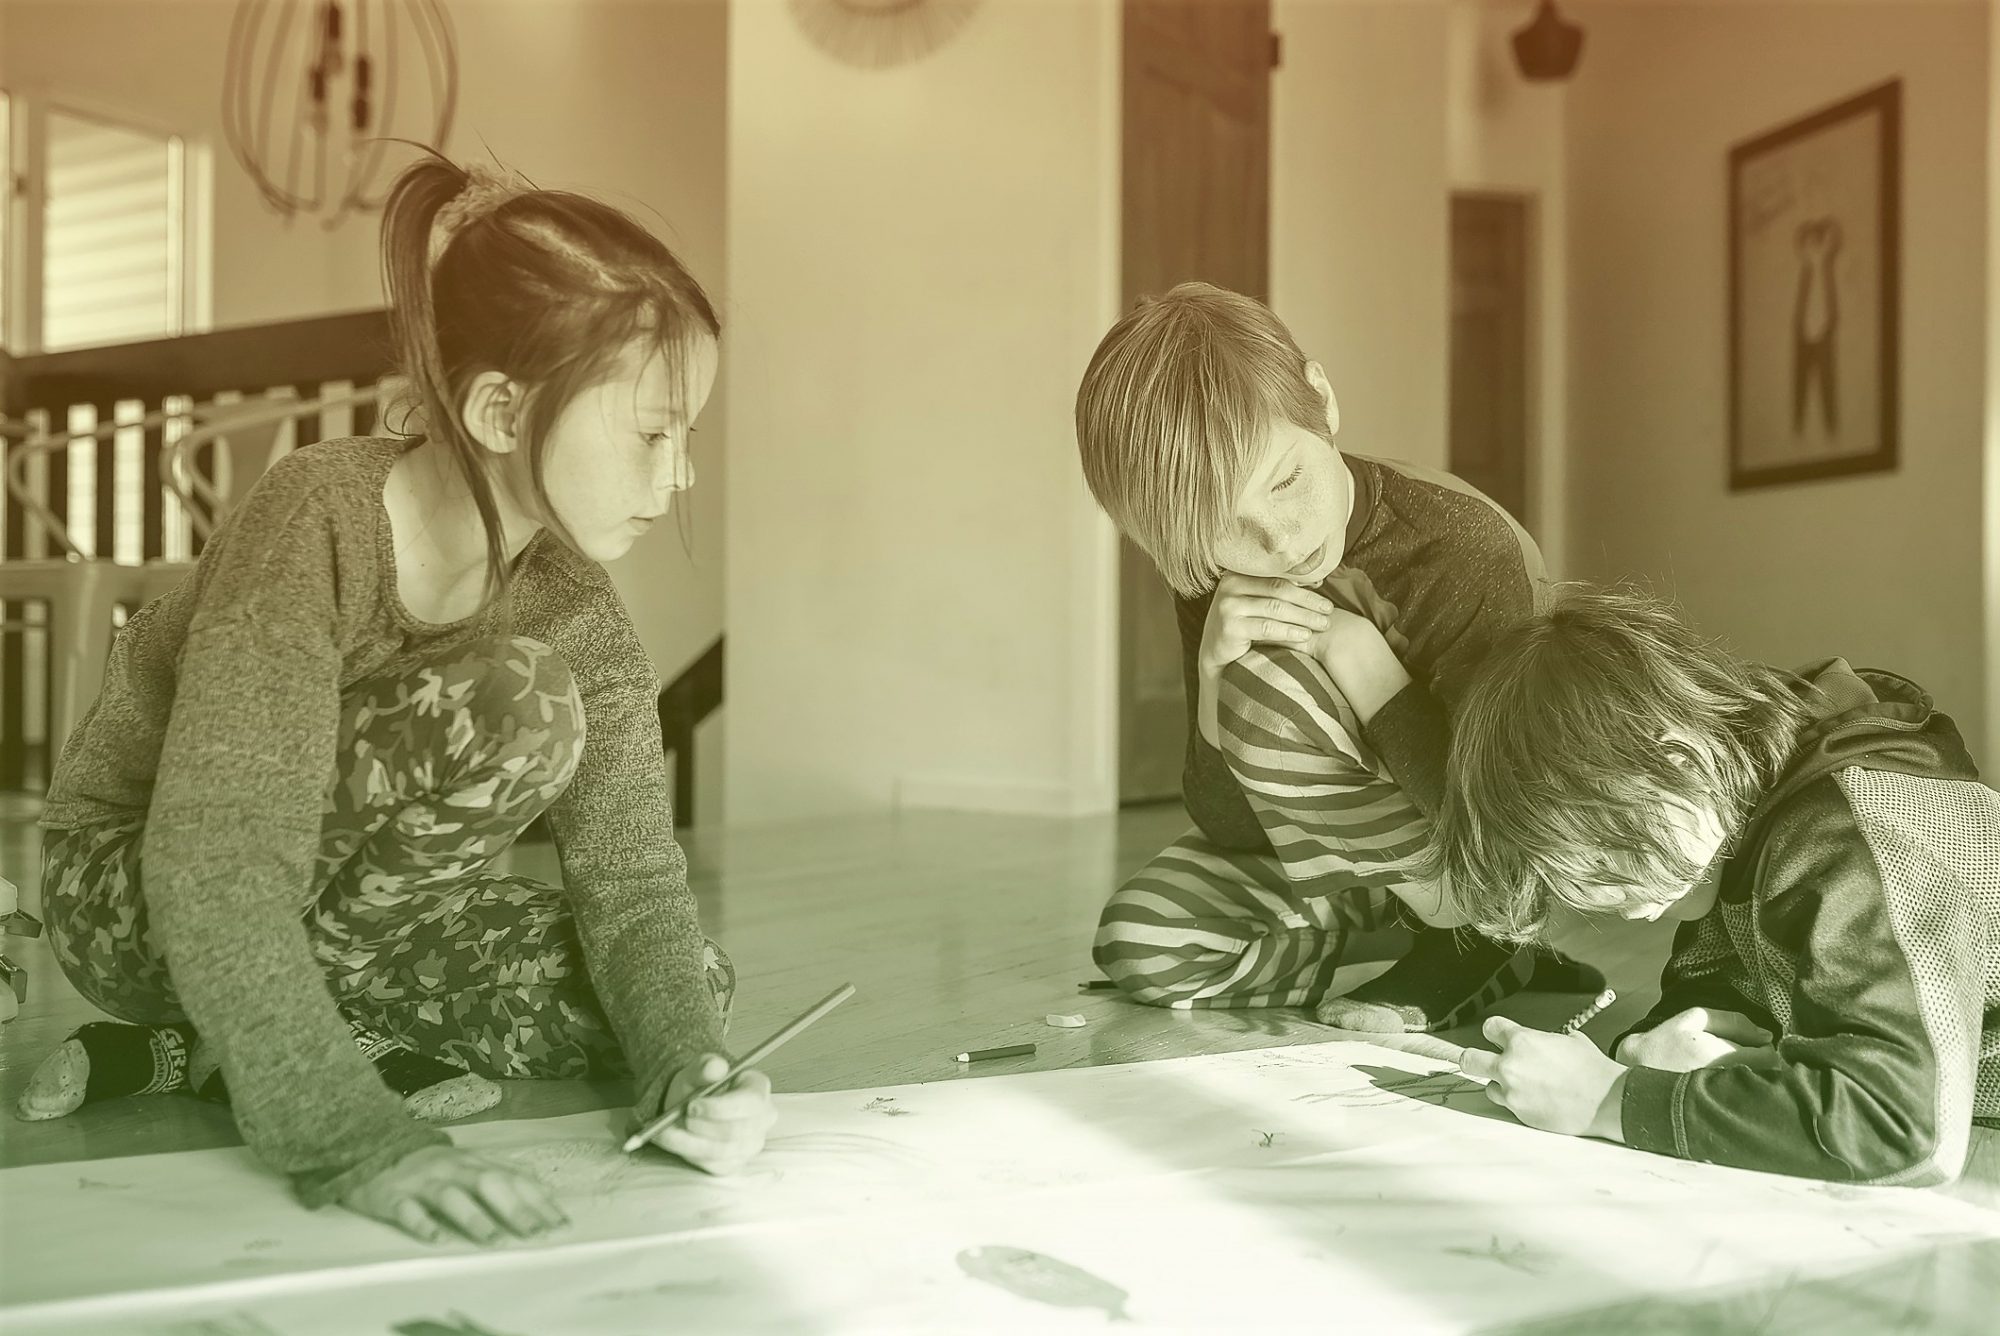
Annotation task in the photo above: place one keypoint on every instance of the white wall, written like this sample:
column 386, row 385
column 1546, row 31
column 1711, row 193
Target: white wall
column 921, row 260
column 1359, row 212
column 159, row 63
column 620, row 99
column 1992, row 490
column 1508, row 135
column 1883, row 568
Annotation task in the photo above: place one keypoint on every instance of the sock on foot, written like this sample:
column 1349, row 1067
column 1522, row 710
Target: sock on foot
column 106, row 1059
column 433, row 1090
column 1442, row 981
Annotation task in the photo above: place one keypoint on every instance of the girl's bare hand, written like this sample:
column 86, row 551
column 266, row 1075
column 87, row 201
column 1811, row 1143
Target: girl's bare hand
column 439, row 1192
column 722, row 1132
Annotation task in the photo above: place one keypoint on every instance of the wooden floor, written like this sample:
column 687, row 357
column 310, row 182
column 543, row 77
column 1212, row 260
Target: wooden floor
column 958, row 930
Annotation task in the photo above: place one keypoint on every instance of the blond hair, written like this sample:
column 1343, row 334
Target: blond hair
column 1173, row 411
column 1582, row 724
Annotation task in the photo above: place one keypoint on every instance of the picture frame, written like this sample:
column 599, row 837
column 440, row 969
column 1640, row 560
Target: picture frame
column 1815, row 254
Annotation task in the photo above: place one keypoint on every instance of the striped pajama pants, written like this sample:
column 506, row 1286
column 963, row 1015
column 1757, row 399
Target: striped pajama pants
column 1202, row 926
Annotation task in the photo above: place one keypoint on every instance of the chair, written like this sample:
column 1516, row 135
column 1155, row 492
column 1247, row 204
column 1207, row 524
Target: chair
column 80, row 591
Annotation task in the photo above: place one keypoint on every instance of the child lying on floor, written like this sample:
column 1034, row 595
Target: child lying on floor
column 1832, row 1005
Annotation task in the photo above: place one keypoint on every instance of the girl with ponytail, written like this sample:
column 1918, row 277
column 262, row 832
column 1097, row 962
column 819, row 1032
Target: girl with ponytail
column 270, row 846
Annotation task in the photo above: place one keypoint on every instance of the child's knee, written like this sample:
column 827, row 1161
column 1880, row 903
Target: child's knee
column 1281, row 692
column 1120, row 952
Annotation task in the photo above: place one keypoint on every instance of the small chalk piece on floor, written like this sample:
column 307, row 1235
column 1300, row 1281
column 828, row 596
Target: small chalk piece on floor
column 1064, row 1022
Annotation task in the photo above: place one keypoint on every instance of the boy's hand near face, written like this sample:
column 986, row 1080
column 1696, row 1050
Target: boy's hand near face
column 1252, row 610
column 1554, row 1082
column 1700, row 1037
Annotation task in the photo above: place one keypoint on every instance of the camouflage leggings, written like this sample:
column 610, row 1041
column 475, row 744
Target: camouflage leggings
column 439, row 771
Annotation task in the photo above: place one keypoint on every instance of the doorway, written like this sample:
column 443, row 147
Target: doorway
column 1489, row 347
column 1196, row 205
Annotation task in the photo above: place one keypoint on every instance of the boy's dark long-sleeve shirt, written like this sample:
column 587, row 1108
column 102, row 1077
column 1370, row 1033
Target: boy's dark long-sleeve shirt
column 1441, row 569
column 1858, row 920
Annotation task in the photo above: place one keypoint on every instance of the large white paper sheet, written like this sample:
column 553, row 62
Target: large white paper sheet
column 1336, row 1186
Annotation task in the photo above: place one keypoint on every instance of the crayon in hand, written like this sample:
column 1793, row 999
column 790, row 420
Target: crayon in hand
column 1589, row 1013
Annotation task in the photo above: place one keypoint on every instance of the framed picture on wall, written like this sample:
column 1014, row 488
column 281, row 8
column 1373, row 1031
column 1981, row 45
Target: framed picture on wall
column 1814, row 253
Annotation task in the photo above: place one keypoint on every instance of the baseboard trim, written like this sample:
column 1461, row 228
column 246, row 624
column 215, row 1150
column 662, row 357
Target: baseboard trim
column 941, row 793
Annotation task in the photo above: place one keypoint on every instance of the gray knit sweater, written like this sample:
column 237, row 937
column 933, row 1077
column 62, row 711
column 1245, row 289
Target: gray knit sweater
column 218, row 725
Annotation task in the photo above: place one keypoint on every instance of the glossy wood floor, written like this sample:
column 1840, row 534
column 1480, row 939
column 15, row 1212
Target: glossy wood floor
column 958, row 930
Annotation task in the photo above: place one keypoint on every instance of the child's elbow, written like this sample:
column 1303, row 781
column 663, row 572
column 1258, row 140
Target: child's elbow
column 1915, row 1167
column 1912, row 1153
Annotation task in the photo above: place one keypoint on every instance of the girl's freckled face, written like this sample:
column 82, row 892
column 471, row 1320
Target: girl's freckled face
column 618, row 452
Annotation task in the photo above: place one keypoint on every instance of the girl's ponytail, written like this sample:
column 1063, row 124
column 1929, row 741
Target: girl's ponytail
column 487, row 272
column 409, row 223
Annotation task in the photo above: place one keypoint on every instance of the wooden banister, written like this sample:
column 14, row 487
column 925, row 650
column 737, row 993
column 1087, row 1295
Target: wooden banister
column 355, row 348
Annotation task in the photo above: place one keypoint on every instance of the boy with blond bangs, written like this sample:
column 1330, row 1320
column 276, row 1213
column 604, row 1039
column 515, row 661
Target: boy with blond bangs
column 1208, row 437
column 1832, row 1005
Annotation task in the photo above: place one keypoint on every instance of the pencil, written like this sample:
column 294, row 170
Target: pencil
column 742, row 1064
column 1010, row 1051
column 1589, row 1013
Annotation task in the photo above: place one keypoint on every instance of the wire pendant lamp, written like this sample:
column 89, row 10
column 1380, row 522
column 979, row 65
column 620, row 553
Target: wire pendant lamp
column 313, row 89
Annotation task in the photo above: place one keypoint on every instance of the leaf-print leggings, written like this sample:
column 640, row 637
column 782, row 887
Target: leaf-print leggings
column 417, row 937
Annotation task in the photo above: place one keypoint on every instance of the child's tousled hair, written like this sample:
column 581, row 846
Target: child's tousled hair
column 548, row 288
column 1582, row 724
column 1171, row 414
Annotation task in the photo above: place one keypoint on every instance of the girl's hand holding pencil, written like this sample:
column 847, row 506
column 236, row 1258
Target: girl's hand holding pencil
column 723, row 1130
column 714, row 1114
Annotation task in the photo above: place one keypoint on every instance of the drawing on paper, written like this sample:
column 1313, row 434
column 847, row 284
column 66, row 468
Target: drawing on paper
column 579, row 1166
column 1044, row 1279
column 683, row 1288
column 852, row 1222
column 885, row 1105
column 1390, row 1086
column 1515, row 1257
column 457, row 1325
column 231, row 1324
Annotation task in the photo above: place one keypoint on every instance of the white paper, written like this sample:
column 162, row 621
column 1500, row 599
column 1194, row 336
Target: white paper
column 1339, row 1186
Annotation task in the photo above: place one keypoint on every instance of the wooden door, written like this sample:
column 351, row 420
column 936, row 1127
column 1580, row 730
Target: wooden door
column 1489, row 347
column 1196, row 205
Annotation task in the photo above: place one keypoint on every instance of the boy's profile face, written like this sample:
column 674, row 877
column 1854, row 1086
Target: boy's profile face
column 1699, row 835
column 1291, row 514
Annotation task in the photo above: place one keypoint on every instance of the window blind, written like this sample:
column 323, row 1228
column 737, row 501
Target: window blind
column 111, row 234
